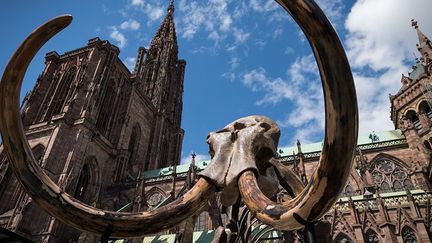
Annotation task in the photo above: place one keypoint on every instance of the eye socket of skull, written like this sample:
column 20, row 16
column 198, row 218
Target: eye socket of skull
column 239, row 126
column 211, row 150
column 266, row 142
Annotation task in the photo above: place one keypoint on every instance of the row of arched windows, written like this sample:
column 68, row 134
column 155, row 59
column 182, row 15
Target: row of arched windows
column 414, row 117
column 370, row 236
column 59, row 92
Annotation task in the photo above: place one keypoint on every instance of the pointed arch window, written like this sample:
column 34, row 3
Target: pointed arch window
column 389, row 176
column 106, row 108
column 83, row 183
column 61, row 93
column 408, row 184
column 413, row 117
column 398, row 186
column 133, row 147
column 371, row 236
column 38, row 152
column 52, row 82
column 425, row 109
column 385, row 187
column 342, row 238
column 408, row 235
column 120, row 111
column 89, row 182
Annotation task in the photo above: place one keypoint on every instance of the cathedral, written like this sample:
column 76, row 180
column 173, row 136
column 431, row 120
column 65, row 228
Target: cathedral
column 94, row 126
column 112, row 138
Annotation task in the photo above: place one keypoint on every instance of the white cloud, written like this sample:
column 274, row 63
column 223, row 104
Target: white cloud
column 130, row 63
column 289, row 50
column 131, row 24
column 226, row 22
column 220, row 19
column 118, row 37
column 278, row 32
column 302, row 89
column 198, row 158
column 240, row 36
column 263, row 5
column 138, row 3
column 153, row 11
column 212, row 16
column 380, row 50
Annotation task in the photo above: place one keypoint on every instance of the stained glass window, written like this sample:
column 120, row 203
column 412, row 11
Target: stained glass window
column 389, row 176
column 385, row 187
column 408, row 184
column 371, row 237
column 398, row 186
column 408, row 235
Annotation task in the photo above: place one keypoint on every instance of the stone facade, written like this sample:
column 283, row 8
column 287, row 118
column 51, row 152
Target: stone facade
column 94, row 126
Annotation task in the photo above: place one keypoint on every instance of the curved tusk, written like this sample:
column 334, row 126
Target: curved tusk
column 44, row 191
column 341, row 129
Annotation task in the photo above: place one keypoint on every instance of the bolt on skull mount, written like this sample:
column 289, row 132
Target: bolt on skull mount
column 239, row 152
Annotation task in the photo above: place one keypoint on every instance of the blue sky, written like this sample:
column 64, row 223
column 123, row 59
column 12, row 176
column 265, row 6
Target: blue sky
column 243, row 57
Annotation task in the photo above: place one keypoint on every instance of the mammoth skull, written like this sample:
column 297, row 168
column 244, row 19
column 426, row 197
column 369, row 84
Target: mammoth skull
column 245, row 144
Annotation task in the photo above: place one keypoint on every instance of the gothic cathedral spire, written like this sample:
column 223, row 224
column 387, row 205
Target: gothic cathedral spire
column 159, row 75
column 425, row 45
column 162, row 74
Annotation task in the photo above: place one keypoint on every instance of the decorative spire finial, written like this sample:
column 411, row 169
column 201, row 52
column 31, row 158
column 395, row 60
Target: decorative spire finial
column 424, row 45
column 414, row 23
column 171, row 7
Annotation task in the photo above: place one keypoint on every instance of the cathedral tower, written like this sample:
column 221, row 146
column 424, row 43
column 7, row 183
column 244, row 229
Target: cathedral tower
column 94, row 126
column 411, row 106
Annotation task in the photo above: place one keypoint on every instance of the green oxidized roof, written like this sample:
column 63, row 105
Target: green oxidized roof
column 306, row 148
column 200, row 165
column 362, row 140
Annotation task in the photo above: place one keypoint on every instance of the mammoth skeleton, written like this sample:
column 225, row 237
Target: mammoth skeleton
column 240, row 151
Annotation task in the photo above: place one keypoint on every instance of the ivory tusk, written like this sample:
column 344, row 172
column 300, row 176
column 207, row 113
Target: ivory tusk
column 341, row 129
column 44, row 191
